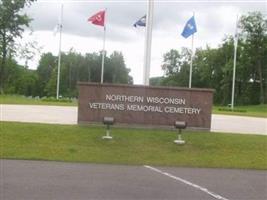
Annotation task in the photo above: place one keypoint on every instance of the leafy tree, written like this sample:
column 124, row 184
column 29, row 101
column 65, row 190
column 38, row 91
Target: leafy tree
column 47, row 65
column 75, row 67
column 11, row 27
column 156, row 81
column 28, row 51
column 254, row 27
column 20, row 80
column 176, row 67
column 171, row 62
column 117, row 72
column 26, row 83
column 51, row 85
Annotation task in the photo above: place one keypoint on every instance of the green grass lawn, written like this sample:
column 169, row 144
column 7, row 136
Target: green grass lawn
column 131, row 146
column 252, row 110
column 18, row 99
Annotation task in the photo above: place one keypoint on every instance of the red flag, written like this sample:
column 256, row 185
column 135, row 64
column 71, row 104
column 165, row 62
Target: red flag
column 98, row 18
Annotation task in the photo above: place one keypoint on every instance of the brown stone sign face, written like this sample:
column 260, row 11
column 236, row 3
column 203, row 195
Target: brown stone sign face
column 145, row 105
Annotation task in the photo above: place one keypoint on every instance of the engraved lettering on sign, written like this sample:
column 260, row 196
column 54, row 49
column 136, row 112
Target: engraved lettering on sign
column 120, row 102
column 165, row 100
column 124, row 98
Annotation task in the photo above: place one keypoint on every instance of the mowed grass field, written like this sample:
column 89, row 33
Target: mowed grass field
column 22, row 100
column 75, row 143
column 251, row 110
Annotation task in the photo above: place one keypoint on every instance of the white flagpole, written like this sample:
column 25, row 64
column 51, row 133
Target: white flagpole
column 192, row 55
column 148, row 40
column 59, row 52
column 191, row 63
column 234, row 67
column 103, row 51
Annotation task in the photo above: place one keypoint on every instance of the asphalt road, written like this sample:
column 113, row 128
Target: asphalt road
column 29, row 180
column 68, row 115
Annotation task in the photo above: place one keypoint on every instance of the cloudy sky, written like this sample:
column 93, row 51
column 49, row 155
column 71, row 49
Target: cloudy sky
column 214, row 19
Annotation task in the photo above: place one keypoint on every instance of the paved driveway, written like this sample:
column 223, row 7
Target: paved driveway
column 28, row 180
column 68, row 115
column 239, row 124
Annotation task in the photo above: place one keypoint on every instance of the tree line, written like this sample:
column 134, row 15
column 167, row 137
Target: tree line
column 212, row 67
column 75, row 67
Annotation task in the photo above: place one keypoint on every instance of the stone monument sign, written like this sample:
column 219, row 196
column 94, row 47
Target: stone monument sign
column 137, row 105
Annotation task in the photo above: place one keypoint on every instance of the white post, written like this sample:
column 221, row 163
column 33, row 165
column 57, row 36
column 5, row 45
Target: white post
column 103, row 51
column 191, row 63
column 148, row 40
column 59, row 51
column 192, row 55
column 234, row 67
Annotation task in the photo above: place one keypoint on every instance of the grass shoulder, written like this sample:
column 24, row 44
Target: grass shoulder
column 22, row 100
column 75, row 143
column 250, row 110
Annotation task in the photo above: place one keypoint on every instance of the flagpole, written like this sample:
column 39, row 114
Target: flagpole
column 103, row 51
column 148, row 40
column 191, row 63
column 234, row 67
column 59, row 52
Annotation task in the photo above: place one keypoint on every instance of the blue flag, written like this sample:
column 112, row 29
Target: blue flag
column 141, row 22
column 190, row 28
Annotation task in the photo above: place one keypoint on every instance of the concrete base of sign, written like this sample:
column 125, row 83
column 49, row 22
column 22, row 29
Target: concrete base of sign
column 179, row 141
column 107, row 137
